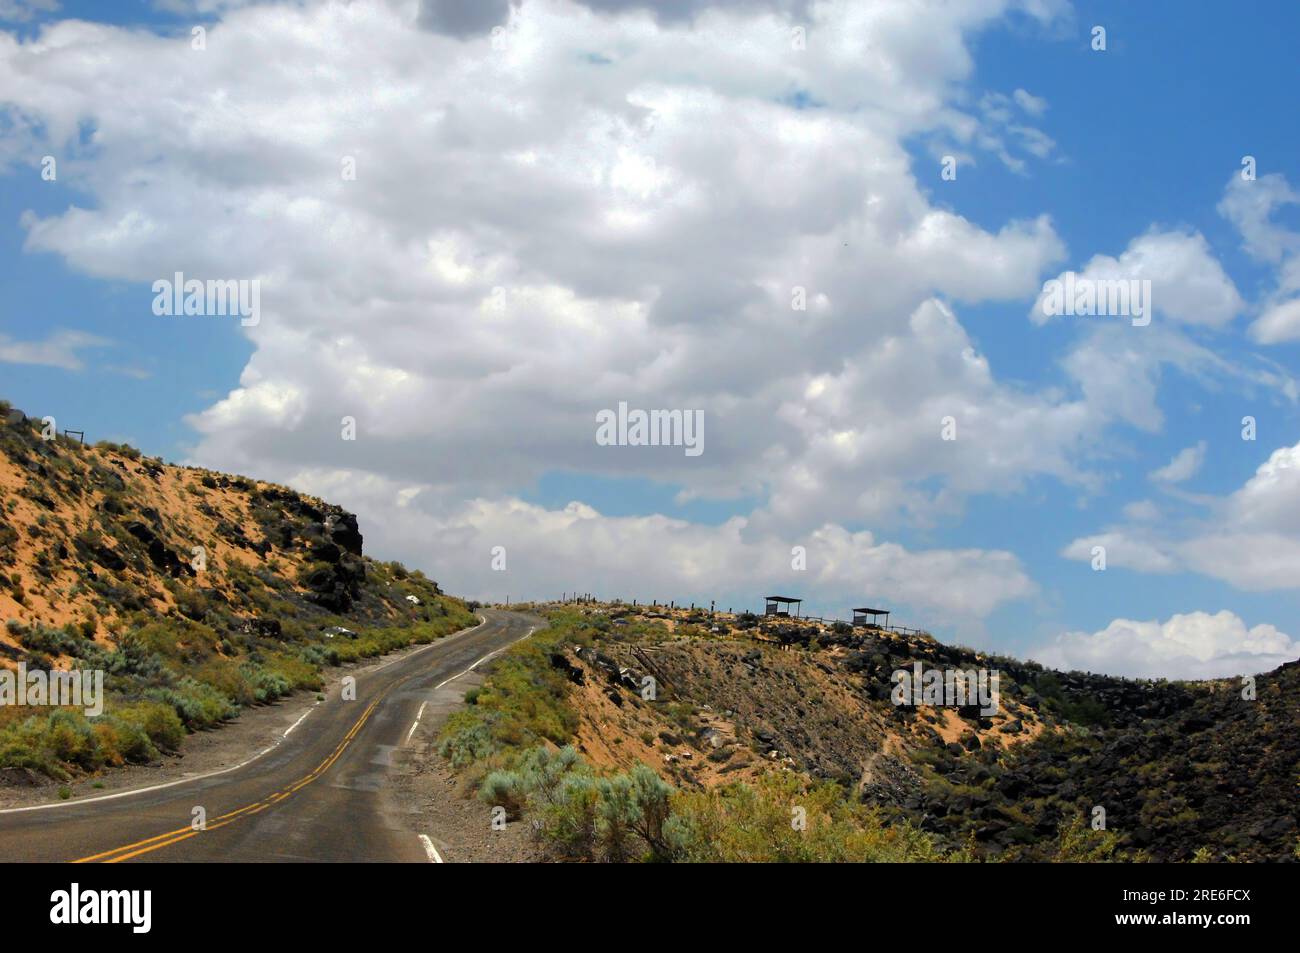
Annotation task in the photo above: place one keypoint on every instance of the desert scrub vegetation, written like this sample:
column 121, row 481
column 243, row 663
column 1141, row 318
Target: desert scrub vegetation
column 522, row 703
column 56, row 742
column 783, row 817
column 164, row 677
column 636, row 816
column 381, row 641
column 615, row 818
column 122, row 449
column 1078, row 842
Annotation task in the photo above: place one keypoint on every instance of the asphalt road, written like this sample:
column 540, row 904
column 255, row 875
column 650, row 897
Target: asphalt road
column 317, row 796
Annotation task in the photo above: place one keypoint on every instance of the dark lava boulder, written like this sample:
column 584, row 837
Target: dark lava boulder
column 346, row 532
column 326, row 552
column 162, row 558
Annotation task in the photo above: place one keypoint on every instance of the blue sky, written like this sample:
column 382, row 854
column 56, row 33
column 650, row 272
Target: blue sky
column 1145, row 137
column 1149, row 131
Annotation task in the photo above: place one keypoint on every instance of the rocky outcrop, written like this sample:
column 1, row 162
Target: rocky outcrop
column 337, row 586
column 163, row 558
column 346, row 533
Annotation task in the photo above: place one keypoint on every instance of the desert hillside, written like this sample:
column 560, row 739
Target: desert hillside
column 197, row 593
column 753, row 716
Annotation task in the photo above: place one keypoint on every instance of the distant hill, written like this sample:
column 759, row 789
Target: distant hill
column 196, row 593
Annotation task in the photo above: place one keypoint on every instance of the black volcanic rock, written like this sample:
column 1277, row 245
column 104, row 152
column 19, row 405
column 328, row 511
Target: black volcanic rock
column 336, row 587
column 326, row 552
column 162, row 558
column 106, row 557
column 346, row 532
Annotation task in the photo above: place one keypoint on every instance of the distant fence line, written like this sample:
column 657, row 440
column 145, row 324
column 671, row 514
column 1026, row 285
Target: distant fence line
column 569, row 598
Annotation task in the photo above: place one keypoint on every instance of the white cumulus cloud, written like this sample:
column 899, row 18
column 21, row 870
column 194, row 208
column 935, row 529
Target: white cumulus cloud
column 1188, row 284
column 1250, row 538
column 1193, row 645
column 1185, row 465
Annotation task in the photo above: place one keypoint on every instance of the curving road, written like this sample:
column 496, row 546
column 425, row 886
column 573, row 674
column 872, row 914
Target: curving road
column 316, row 796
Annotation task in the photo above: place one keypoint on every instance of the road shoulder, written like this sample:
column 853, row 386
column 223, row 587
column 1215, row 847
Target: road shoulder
column 427, row 797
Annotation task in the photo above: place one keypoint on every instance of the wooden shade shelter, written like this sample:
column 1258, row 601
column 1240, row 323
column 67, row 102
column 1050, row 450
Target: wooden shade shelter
column 780, row 606
column 866, row 616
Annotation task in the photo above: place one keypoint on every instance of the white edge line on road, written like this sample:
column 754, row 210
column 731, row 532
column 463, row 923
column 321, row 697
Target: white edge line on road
column 221, row 771
column 412, row 731
column 298, row 722
column 430, row 850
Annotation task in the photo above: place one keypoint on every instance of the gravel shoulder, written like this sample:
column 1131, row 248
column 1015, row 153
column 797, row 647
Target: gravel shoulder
column 431, row 799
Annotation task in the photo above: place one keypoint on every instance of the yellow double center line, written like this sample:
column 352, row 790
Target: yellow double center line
column 185, row 833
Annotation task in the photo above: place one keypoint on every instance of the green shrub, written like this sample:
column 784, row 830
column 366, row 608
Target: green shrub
column 759, row 823
column 633, row 811
column 468, row 738
column 266, row 685
column 122, row 742
column 1078, row 843
column 504, row 789
column 613, row 819
column 297, row 671
column 198, row 705
column 48, row 739
column 71, row 739
column 158, row 721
